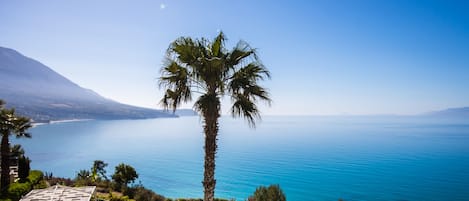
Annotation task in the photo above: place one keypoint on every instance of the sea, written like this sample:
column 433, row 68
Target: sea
column 353, row 158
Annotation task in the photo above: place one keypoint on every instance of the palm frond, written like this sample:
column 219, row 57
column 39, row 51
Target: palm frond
column 186, row 50
column 218, row 45
column 16, row 150
column 245, row 90
column 10, row 122
column 22, row 124
column 241, row 52
column 245, row 81
column 176, row 79
column 243, row 107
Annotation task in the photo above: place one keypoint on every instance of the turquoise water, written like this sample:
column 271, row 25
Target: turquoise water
column 312, row 158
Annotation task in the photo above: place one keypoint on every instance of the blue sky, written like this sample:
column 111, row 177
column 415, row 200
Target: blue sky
column 326, row 57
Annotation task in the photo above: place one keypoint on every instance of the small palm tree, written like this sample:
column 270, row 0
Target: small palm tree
column 206, row 68
column 16, row 151
column 10, row 124
column 98, row 171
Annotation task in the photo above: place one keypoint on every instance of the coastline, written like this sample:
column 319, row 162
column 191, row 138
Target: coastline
column 59, row 121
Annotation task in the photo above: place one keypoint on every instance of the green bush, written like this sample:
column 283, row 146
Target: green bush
column 40, row 185
column 188, row 199
column 121, row 198
column 123, row 175
column 140, row 193
column 17, row 190
column 58, row 180
column 271, row 193
column 35, row 176
column 196, row 199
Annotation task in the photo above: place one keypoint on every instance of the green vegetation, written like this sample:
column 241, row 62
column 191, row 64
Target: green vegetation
column 112, row 191
column 124, row 175
column 117, row 189
column 10, row 124
column 16, row 190
column 98, row 171
column 208, row 69
column 23, row 167
column 271, row 193
column 140, row 193
column 17, row 157
column 20, row 188
column 35, row 176
column 83, row 178
column 193, row 199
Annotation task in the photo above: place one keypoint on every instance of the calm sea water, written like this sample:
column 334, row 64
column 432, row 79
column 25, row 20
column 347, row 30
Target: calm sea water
column 312, row 158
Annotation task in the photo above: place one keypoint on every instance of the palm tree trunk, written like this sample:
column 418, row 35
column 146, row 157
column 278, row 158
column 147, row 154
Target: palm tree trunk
column 211, row 115
column 5, row 164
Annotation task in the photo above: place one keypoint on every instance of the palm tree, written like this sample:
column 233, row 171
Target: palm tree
column 10, row 124
column 16, row 151
column 98, row 170
column 206, row 68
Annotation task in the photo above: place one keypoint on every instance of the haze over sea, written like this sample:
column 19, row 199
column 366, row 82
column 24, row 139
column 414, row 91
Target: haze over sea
column 312, row 158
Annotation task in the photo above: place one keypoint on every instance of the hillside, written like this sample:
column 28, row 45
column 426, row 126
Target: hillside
column 37, row 91
column 462, row 112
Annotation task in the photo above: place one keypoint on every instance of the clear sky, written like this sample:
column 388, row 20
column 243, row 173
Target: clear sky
column 326, row 56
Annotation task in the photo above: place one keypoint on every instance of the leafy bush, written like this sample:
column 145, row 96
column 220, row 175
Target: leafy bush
column 42, row 184
column 140, row 193
column 119, row 198
column 17, row 190
column 35, row 176
column 103, row 186
column 196, row 199
column 123, row 175
column 60, row 180
column 271, row 193
column 83, row 178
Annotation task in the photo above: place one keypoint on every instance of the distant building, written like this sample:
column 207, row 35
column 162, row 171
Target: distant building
column 13, row 173
column 60, row 193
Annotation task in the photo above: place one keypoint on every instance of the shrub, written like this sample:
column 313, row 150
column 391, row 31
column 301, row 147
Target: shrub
column 123, row 175
column 123, row 198
column 17, row 190
column 140, row 193
column 196, row 199
column 42, row 184
column 271, row 193
column 59, row 180
column 103, row 186
column 35, row 176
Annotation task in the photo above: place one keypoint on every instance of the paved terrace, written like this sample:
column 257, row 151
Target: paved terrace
column 60, row 193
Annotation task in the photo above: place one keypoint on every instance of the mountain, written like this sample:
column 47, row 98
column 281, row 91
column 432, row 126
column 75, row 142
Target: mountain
column 37, row 91
column 462, row 112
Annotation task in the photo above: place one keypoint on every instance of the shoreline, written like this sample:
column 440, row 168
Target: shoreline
column 59, row 121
